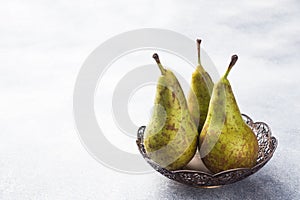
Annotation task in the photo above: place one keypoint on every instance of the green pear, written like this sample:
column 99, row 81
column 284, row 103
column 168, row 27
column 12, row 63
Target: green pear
column 226, row 141
column 171, row 137
column 200, row 93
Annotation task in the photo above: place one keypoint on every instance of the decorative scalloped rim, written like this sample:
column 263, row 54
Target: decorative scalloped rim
column 202, row 179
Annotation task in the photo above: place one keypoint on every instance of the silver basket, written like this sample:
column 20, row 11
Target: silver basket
column 201, row 177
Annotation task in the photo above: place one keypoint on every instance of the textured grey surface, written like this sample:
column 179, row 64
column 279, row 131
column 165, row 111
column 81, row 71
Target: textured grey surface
column 43, row 44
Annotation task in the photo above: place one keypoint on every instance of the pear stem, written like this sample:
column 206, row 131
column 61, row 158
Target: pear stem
column 162, row 69
column 234, row 58
column 198, row 51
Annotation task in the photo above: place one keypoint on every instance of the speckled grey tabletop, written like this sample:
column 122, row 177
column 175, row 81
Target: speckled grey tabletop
column 44, row 43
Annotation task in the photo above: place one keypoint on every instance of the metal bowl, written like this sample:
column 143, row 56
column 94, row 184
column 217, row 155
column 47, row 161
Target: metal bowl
column 201, row 177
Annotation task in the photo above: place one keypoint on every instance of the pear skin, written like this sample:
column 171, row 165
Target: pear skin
column 226, row 141
column 201, row 90
column 171, row 137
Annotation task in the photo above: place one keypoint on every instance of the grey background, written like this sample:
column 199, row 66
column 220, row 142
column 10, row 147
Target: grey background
column 44, row 43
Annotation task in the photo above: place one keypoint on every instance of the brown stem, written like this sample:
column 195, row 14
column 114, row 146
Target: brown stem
column 234, row 58
column 198, row 50
column 156, row 58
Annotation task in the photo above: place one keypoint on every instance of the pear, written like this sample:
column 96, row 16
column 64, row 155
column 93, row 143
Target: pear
column 171, row 137
column 226, row 141
column 200, row 93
